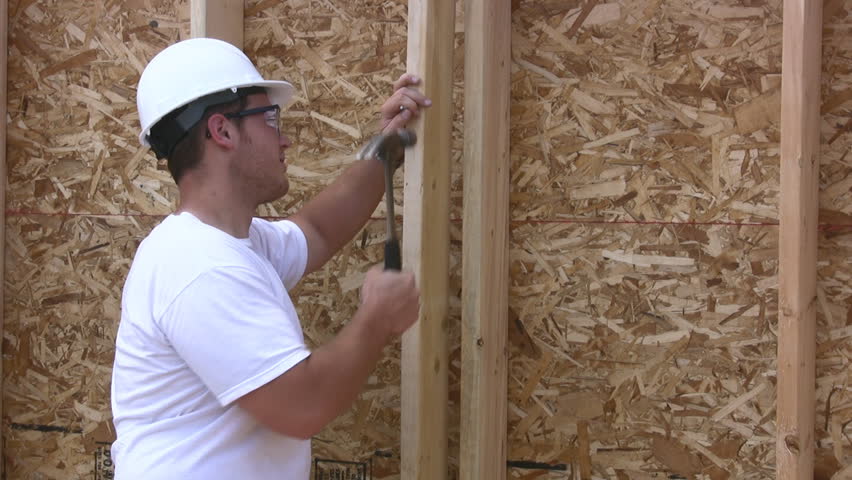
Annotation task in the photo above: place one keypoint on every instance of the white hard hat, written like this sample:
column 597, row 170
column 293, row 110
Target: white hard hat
column 191, row 69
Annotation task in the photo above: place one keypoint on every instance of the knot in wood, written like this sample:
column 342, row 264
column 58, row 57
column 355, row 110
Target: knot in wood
column 792, row 442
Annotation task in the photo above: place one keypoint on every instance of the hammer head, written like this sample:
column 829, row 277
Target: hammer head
column 388, row 147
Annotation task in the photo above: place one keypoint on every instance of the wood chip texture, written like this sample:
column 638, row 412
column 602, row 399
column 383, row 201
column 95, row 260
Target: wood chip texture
column 645, row 186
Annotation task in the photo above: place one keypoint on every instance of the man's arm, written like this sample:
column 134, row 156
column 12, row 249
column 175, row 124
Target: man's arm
column 300, row 402
column 334, row 216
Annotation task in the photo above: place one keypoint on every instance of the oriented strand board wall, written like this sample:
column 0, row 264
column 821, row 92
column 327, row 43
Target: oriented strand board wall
column 645, row 185
column 637, row 338
column 834, row 274
column 644, row 260
column 81, row 195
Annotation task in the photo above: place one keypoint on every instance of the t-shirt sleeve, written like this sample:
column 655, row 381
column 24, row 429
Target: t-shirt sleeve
column 233, row 331
column 285, row 246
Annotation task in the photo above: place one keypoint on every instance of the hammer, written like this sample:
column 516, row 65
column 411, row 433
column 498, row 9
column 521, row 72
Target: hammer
column 389, row 148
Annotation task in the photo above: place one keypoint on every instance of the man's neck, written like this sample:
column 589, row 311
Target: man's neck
column 217, row 207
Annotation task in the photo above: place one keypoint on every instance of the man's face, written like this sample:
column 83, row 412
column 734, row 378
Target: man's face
column 261, row 164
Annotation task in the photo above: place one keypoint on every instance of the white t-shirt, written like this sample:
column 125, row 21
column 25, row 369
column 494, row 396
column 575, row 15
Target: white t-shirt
column 205, row 319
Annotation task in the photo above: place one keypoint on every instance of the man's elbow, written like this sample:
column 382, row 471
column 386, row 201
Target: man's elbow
column 276, row 406
column 303, row 426
column 303, row 429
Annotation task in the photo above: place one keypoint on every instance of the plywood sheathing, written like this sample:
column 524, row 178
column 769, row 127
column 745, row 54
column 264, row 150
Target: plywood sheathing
column 73, row 121
column 834, row 270
column 646, row 347
column 64, row 284
column 650, row 111
column 4, row 53
column 657, row 340
column 60, row 128
column 81, row 194
column 342, row 64
column 73, row 149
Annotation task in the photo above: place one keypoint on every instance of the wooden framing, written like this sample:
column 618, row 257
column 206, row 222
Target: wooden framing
column 222, row 19
column 425, row 246
column 485, row 267
column 800, row 150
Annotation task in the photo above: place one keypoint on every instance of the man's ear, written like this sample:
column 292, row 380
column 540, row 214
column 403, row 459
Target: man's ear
column 221, row 131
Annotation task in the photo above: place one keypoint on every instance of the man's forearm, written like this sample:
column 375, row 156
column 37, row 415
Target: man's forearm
column 342, row 208
column 341, row 368
column 307, row 397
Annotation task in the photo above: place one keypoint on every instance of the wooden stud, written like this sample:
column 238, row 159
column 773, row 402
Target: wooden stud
column 425, row 244
column 222, row 19
column 800, row 149
column 485, row 269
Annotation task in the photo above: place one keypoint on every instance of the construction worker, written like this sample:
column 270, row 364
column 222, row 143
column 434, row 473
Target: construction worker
column 212, row 378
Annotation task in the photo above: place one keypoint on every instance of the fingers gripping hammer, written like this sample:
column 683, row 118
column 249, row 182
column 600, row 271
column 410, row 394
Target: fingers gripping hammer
column 389, row 148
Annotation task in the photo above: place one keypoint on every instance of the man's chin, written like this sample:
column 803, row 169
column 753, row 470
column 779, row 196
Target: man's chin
column 279, row 193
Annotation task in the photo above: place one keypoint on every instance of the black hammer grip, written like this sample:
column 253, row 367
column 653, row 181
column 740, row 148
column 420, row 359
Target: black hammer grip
column 393, row 259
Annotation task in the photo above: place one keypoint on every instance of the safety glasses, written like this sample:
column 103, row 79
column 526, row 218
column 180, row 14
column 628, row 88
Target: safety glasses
column 270, row 113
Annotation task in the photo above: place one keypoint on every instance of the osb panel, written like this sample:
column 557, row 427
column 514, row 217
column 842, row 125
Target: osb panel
column 642, row 347
column 646, row 110
column 834, row 273
column 633, row 344
column 79, row 191
column 73, row 69
column 609, row 376
column 632, row 347
column 63, row 285
column 834, row 328
column 73, row 148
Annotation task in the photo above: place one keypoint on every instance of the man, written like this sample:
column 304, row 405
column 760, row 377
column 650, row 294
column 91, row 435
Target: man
column 212, row 378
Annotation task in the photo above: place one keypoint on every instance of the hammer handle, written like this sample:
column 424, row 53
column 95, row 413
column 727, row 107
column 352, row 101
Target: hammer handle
column 393, row 259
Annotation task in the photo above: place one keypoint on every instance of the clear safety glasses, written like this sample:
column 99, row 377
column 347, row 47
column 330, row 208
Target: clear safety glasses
column 271, row 114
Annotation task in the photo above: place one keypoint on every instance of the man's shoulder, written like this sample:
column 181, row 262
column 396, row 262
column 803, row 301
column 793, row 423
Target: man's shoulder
column 176, row 254
column 269, row 226
column 274, row 234
column 180, row 247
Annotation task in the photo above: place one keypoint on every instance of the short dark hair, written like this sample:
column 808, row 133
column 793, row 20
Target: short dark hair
column 183, row 147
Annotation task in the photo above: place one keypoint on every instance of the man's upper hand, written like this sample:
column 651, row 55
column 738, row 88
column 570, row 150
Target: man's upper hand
column 404, row 104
